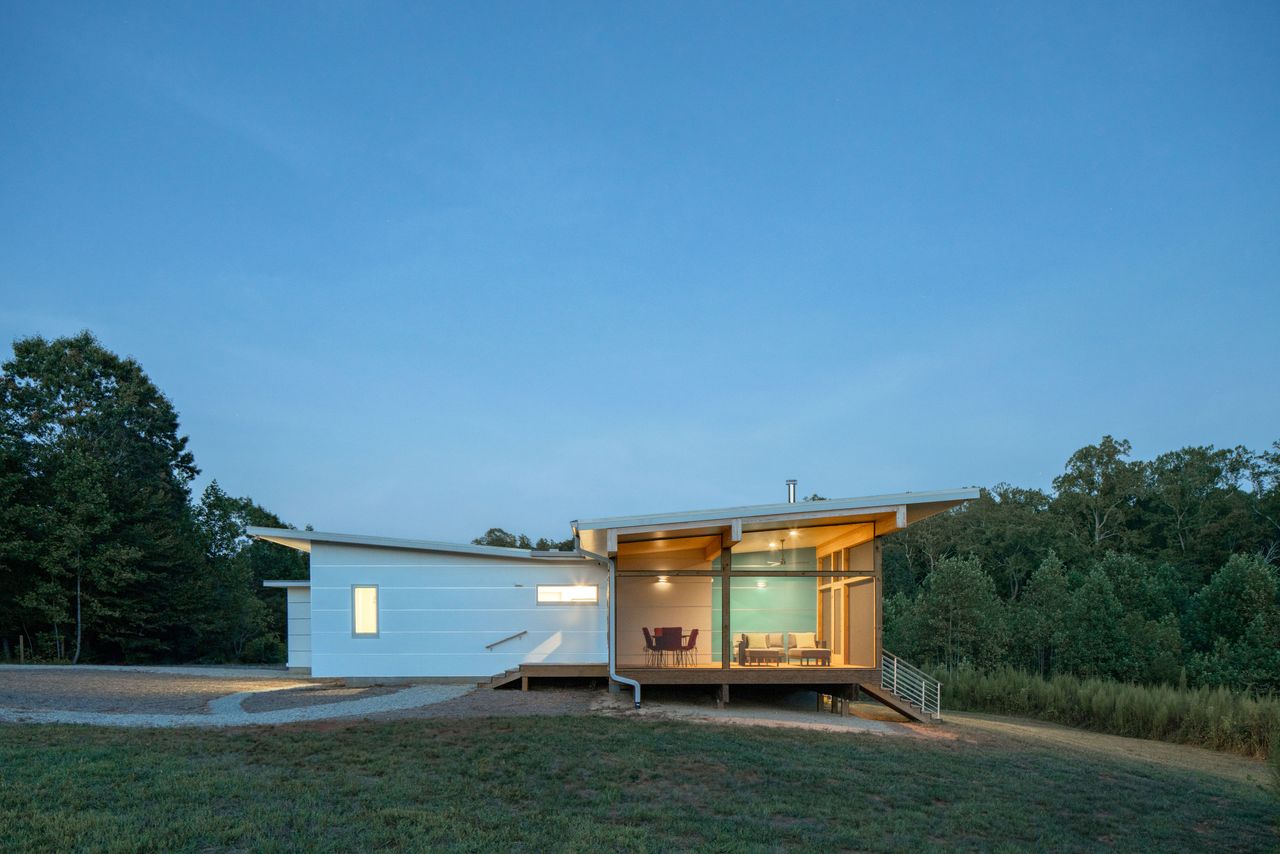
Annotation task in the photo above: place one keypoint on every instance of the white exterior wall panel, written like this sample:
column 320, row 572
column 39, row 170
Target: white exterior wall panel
column 436, row 613
column 299, row 616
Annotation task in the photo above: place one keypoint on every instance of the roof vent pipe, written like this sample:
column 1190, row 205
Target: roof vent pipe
column 791, row 492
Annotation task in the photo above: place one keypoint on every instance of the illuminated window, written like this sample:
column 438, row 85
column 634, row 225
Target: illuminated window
column 364, row 610
column 568, row 594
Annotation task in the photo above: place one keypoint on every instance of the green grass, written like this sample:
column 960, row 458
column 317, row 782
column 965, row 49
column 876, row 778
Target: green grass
column 1207, row 717
column 591, row 783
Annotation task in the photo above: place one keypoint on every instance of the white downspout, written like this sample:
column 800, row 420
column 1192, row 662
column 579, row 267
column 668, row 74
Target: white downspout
column 612, row 624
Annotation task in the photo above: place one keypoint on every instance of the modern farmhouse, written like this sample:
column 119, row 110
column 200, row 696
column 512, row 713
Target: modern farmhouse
column 776, row 593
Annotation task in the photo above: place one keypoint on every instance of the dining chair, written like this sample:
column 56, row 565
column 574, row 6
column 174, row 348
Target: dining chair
column 690, row 649
column 650, row 648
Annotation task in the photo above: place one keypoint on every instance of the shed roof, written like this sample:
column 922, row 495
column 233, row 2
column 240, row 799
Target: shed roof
column 302, row 540
column 835, row 506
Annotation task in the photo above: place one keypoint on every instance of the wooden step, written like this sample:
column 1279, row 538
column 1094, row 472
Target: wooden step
column 505, row 678
column 899, row 704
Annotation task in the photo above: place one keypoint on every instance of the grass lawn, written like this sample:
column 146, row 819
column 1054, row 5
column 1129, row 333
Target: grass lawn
column 587, row 783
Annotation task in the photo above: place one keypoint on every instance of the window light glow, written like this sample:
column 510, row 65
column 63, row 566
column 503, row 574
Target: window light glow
column 364, row 611
column 568, row 594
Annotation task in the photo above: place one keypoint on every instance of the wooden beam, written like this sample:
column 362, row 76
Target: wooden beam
column 864, row 533
column 827, row 680
column 726, row 566
column 748, row 573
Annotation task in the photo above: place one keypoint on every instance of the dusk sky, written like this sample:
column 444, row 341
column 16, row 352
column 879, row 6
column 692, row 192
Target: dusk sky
column 422, row 270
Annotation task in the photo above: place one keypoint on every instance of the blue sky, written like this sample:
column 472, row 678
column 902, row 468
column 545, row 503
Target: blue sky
column 422, row 270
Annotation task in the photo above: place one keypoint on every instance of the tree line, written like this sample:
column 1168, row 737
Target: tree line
column 1154, row 571
column 104, row 554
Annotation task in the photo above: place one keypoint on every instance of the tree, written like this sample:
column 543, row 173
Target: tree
column 958, row 615
column 237, row 612
column 1099, row 488
column 1043, row 609
column 95, row 433
column 1094, row 642
column 1184, row 484
column 503, row 539
column 1243, row 589
column 78, row 546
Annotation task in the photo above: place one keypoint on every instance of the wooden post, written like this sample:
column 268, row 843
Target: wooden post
column 726, row 642
column 722, row 697
column 524, row 683
column 22, row 649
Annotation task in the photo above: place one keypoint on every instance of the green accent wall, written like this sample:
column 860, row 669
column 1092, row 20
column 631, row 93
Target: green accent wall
column 783, row 605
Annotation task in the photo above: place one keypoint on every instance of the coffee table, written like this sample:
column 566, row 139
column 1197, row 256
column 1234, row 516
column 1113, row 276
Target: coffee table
column 763, row 656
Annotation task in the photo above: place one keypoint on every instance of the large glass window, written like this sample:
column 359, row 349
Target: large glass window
column 364, row 610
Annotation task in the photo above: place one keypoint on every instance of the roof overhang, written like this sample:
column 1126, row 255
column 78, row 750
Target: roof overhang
column 287, row 583
column 303, row 541
column 888, row 513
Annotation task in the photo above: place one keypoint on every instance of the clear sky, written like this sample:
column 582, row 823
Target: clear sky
column 418, row 271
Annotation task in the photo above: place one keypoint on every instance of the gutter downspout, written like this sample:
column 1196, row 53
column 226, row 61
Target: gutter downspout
column 612, row 625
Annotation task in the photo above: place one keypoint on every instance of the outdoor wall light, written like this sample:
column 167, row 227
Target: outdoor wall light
column 760, row 585
column 662, row 579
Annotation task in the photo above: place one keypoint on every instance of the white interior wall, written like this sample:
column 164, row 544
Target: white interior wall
column 647, row 602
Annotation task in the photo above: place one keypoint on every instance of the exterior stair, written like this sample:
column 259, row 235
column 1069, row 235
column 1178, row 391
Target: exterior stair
column 505, row 678
column 907, row 690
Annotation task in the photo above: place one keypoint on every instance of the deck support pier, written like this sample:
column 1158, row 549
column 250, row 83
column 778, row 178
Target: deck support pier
column 722, row 696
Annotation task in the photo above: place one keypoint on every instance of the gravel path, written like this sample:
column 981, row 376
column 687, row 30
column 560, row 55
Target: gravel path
column 175, row 696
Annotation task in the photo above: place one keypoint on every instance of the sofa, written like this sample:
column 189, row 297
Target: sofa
column 774, row 642
column 804, row 647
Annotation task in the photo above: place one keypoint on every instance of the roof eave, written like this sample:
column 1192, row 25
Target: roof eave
column 835, row 506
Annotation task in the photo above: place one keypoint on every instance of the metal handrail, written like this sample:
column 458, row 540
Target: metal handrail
column 490, row 646
column 911, row 684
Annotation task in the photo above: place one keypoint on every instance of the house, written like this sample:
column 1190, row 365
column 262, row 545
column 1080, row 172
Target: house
column 785, row 593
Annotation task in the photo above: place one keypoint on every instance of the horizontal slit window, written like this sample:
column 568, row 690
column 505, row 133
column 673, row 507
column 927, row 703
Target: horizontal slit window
column 568, row 594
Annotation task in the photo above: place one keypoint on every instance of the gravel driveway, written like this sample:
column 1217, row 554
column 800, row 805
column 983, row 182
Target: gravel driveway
column 171, row 696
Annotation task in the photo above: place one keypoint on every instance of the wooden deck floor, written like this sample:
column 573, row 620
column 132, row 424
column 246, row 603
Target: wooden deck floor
column 782, row 674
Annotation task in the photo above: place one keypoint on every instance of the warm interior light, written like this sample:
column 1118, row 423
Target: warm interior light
column 568, row 594
column 795, row 533
column 773, row 545
column 662, row 579
column 364, row 610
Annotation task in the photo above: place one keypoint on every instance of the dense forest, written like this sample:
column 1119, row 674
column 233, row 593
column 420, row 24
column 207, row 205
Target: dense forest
column 104, row 555
column 1156, row 571
column 1159, row 571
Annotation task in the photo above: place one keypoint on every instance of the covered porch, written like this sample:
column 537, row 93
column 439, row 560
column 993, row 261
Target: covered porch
column 777, row 594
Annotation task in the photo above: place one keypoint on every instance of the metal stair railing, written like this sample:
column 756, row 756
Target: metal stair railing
column 911, row 684
column 490, row 646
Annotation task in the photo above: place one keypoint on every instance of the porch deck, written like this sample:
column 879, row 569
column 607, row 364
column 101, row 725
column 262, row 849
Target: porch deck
column 768, row 674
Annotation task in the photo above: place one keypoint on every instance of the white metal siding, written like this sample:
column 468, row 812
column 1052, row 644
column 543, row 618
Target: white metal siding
column 436, row 613
column 299, row 615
